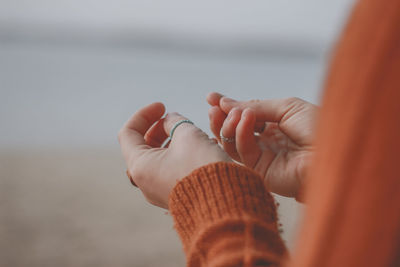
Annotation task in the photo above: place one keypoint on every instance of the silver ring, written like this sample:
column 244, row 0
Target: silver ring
column 171, row 133
column 226, row 139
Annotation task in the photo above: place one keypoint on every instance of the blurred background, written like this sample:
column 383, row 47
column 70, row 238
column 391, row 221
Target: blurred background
column 72, row 72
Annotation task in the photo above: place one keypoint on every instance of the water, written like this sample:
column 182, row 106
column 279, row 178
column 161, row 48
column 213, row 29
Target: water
column 63, row 96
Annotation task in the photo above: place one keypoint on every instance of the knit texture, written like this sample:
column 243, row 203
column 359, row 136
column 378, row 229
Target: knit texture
column 222, row 214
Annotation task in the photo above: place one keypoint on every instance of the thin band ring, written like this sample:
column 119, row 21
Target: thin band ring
column 171, row 133
column 226, row 139
column 166, row 142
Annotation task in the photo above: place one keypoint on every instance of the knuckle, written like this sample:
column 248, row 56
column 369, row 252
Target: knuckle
column 254, row 102
column 292, row 104
column 293, row 101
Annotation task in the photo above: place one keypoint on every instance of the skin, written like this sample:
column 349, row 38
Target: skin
column 273, row 137
column 156, row 170
column 280, row 151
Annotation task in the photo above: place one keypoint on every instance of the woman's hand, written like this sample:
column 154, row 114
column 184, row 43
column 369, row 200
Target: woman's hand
column 273, row 137
column 156, row 170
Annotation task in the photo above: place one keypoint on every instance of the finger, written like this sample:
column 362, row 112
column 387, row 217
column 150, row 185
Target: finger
column 246, row 143
column 214, row 98
column 272, row 110
column 217, row 118
column 156, row 135
column 228, row 130
column 171, row 120
column 131, row 136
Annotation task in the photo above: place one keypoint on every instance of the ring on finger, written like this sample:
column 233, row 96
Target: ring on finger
column 226, row 139
column 166, row 142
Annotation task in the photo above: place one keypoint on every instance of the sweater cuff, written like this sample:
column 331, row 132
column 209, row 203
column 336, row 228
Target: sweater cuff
column 216, row 192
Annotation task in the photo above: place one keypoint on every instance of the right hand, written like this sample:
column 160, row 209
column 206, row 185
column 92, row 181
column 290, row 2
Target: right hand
column 154, row 169
column 281, row 151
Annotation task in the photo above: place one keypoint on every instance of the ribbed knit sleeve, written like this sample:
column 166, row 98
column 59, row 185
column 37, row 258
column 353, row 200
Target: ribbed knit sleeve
column 225, row 217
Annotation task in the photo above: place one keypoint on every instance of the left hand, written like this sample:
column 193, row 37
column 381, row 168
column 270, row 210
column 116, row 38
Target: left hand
column 156, row 170
column 282, row 149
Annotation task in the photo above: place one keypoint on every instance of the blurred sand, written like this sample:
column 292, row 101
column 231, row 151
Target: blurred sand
column 77, row 208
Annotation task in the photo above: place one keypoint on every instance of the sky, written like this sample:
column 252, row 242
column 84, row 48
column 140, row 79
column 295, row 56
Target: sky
column 315, row 20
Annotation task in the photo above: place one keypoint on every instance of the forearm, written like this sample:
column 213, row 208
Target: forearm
column 225, row 217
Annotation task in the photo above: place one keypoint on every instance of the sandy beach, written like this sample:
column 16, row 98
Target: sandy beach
column 77, row 208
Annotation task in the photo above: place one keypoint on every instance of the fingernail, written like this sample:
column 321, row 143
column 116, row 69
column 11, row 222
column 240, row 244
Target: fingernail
column 228, row 100
column 230, row 115
column 247, row 112
column 233, row 111
column 244, row 113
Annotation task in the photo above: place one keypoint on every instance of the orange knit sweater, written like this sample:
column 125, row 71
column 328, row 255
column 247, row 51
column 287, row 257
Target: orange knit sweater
column 225, row 217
